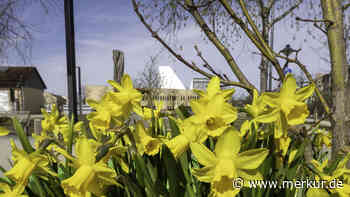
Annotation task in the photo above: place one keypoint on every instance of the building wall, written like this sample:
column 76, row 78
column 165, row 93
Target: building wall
column 199, row 83
column 10, row 104
column 4, row 100
column 96, row 92
column 33, row 100
column 172, row 98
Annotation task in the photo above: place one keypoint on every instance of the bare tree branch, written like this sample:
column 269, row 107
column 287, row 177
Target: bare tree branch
column 320, row 28
column 290, row 10
column 255, row 28
column 179, row 57
column 346, row 6
column 206, row 64
column 261, row 6
column 315, row 21
column 251, row 35
column 15, row 34
column 218, row 44
column 270, row 4
column 201, row 5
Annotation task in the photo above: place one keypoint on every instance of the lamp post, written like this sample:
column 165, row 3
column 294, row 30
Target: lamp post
column 70, row 52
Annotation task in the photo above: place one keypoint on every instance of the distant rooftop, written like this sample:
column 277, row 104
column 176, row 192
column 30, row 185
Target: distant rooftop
column 10, row 76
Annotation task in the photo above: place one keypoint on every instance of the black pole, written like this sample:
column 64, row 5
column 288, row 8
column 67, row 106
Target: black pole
column 70, row 52
column 79, row 91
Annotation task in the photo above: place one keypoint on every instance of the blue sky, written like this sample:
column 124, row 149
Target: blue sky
column 101, row 26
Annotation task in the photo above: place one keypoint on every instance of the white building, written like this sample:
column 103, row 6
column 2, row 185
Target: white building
column 169, row 79
column 199, row 83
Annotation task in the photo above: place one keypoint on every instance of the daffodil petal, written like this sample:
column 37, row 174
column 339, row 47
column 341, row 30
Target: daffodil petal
column 228, row 144
column 203, row 154
column 267, row 118
column 289, row 86
column 205, row 174
column 251, row 159
column 317, row 192
column 305, row 92
column 115, row 85
column 292, row 155
column 250, row 175
column 213, row 85
column 127, row 82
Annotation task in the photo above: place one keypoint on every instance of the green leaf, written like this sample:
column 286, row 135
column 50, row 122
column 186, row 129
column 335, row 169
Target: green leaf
column 22, row 136
column 142, row 168
column 174, row 128
column 174, row 173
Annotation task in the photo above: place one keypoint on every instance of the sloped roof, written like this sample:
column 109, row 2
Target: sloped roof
column 10, row 76
column 169, row 79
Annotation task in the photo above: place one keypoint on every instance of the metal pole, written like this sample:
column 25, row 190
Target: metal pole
column 271, row 45
column 79, row 88
column 70, row 52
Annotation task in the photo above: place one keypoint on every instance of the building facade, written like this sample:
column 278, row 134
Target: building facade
column 199, row 83
column 21, row 89
column 172, row 98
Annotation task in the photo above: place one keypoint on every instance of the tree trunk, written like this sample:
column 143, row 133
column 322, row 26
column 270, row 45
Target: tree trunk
column 264, row 60
column 332, row 11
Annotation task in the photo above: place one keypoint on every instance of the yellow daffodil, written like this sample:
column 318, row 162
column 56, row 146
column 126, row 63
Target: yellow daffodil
column 226, row 164
column 323, row 137
column 189, row 132
column 25, row 164
column 118, row 153
column 215, row 116
column 282, row 145
column 90, row 176
column 213, row 89
column 127, row 96
column 343, row 191
column 16, row 191
column 145, row 143
column 52, row 122
column 257, row 107
column 288, row 106
column 149, row 113
column 50, row 119
column 292, row 155
column 106, row 108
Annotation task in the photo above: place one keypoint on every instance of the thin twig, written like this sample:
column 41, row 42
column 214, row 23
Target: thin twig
column 320, row 28
column 206, row 64
column 346, row 6
column 201, row 5
column 290, row 10
column 328, row 22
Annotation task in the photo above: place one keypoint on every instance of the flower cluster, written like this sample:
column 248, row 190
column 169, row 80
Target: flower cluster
column 124, row 145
